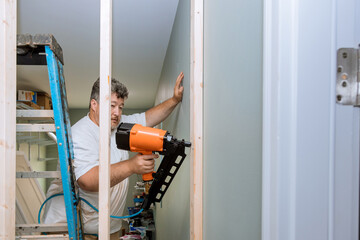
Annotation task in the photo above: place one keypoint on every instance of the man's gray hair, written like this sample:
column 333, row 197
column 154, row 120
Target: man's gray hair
column 116, row 87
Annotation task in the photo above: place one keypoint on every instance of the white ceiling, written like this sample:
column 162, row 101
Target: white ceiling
column 141, row 32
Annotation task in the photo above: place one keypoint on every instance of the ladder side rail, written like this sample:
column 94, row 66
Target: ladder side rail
column 70, row 145
column 66, row 111
column 67, row 128
column 64, row 155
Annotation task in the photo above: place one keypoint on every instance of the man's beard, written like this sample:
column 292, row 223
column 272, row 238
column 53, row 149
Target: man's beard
column 115, row 126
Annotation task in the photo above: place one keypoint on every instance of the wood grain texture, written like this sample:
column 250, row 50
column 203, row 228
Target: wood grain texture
column 105, row 93
column 7, row 117
column 196, row 125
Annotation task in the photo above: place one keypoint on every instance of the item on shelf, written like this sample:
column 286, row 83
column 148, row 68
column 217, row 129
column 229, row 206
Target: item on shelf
column 131, row 237
column 44, row 100
column 27, row 96
column 31, row 105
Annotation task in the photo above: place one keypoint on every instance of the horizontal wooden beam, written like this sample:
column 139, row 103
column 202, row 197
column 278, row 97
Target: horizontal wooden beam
column 45, row 174
column 52, row 237
column 31, row 228
column 28, row 127
column 20, row 113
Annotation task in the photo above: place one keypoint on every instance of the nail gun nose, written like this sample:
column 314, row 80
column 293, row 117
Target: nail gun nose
column 187, row 144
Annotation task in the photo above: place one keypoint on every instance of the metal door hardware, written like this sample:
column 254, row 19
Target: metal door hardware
column 348, row 77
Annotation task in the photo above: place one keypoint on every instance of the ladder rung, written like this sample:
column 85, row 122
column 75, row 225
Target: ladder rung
column 46, row 143
column 25, row 127
column 47, row 159
column 37, row 141
column 31, row 228
column 45, row 174
column 22, row 138
column 35, row 114
column 54, row 237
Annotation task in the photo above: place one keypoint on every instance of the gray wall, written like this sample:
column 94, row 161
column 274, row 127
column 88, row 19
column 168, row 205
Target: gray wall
column 232, row 122
column 76, row 114
column 173, row 214
column 232, row 119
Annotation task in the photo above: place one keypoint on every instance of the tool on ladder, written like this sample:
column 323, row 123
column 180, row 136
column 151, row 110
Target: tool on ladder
column 44, row 50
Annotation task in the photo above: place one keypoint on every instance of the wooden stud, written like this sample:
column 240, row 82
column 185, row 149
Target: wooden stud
column 196, row 111
column 105, row 126
column 7, row 118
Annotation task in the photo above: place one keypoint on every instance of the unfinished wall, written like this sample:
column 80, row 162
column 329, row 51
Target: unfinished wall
column 232, row 119
column 173, row 214
column 33, row 151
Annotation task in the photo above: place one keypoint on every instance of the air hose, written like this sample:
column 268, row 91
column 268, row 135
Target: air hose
column 85, row 201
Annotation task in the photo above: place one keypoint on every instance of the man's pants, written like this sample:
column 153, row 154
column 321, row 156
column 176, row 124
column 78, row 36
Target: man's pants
column 114, row 236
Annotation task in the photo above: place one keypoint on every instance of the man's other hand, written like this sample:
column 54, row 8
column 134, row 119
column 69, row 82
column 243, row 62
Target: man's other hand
column 141, row 164
column 178, row 89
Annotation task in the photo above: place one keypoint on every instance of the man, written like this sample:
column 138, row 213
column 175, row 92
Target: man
column 85, row 136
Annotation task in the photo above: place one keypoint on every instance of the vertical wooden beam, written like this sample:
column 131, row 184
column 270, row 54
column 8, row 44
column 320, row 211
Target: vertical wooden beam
column 7, row 118
column 105, row 125
column 196, row 125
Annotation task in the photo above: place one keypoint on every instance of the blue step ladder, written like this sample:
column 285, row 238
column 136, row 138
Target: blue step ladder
column 44, row 50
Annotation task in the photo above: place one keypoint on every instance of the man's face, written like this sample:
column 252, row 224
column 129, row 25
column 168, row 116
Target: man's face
column 117, row 105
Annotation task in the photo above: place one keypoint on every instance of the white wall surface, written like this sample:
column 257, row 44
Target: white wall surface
column 347, row 120
column 310, row 154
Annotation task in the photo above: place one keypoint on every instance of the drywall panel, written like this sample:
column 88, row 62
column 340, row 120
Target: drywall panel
column 173, row 214
column 232, row 119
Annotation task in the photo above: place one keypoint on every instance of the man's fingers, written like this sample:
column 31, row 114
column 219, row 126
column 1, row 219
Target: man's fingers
column 150, row 156
column 149, row 165
column 179, row 89
column 179, row 79
column 149, row 162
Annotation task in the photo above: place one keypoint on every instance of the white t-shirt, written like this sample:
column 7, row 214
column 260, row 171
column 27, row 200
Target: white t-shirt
column 85, row 136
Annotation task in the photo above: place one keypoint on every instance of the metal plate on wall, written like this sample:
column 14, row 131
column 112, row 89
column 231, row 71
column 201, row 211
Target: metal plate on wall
column 347, row 79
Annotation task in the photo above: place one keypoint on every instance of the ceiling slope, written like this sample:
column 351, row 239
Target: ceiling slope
column 141, row 32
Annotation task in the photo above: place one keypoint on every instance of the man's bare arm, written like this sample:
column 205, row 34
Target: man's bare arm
column 139, row 164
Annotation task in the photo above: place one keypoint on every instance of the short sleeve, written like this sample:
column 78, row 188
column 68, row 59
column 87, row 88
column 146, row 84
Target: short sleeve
column 138, row 118
column 86, row 151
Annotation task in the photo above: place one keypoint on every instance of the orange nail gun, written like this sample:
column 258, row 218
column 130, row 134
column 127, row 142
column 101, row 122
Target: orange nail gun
column 146, row 140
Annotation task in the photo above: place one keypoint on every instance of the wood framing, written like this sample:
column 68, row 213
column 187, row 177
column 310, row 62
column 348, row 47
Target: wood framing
column 7, row 118
column 105, row 127
column 196, row 123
